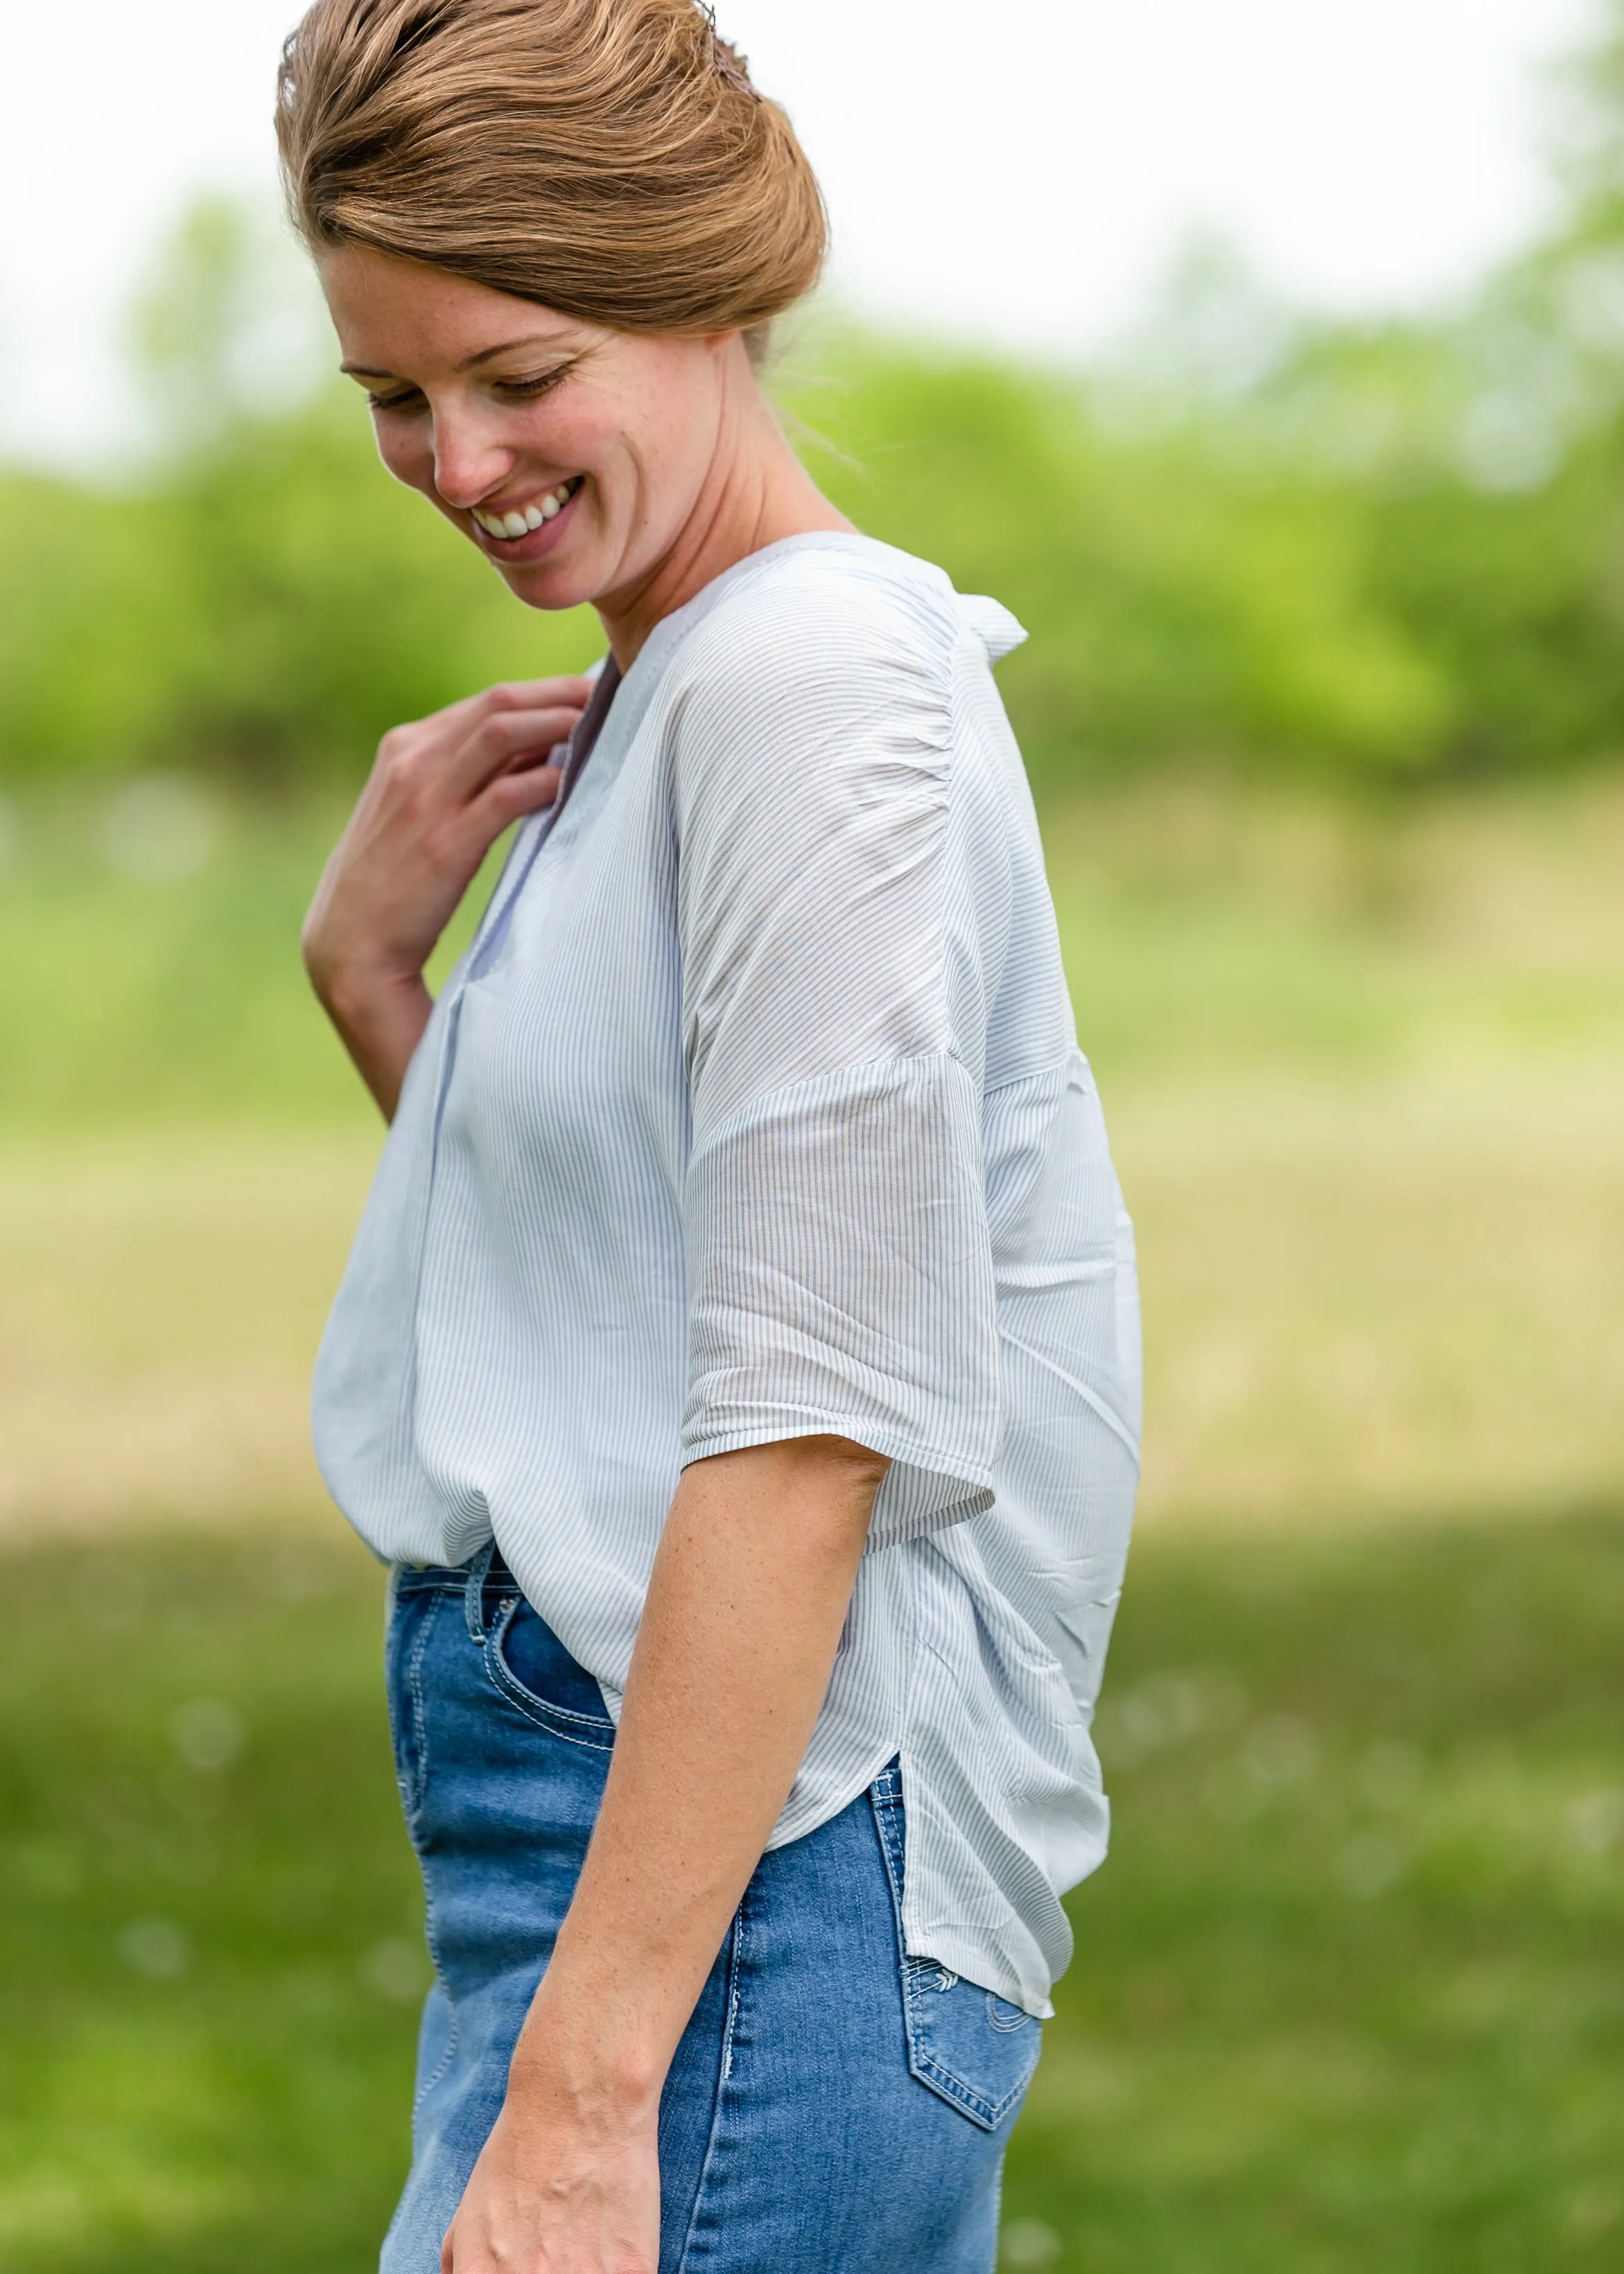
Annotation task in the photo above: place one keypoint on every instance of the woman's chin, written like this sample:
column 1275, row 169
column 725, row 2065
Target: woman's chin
column 550, row 583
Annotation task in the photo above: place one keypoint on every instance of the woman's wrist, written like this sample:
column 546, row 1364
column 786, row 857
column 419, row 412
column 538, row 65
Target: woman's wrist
column 598, row 2077
column 380, row 1012
column 359, row 991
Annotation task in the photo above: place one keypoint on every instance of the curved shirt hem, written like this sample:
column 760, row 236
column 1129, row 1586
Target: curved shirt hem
column 967, row 1957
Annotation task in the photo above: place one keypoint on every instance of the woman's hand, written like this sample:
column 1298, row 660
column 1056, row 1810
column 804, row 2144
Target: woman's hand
column 441, row 791
column 559, row 2190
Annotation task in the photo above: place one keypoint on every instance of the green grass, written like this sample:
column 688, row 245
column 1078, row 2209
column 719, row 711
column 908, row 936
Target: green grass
column 146, row 992
column 1347, row 1995
column 198, row 2072
column 149, row 935
column 1335, row 1042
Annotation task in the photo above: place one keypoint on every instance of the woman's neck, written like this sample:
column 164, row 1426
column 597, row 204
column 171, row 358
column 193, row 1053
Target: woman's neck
column 756, row 492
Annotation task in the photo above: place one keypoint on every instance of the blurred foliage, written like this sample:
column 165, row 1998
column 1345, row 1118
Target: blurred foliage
column 1369, row 551
column 1346, row 1996
column 265, row 601
column 1183, row 602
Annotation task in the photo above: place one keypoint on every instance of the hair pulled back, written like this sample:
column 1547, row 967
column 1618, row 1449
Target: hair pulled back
column 608, row 158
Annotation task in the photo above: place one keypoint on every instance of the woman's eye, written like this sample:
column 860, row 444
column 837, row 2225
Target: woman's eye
column 526, row 390
column 393, row 402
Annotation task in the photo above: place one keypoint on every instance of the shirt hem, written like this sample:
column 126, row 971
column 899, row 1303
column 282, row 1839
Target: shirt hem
column 977, row 1491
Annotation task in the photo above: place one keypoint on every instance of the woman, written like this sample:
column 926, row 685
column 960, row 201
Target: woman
column 738, row 1360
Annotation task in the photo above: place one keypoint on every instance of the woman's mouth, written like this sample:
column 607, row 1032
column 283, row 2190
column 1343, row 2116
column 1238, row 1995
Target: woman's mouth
column 528, row 531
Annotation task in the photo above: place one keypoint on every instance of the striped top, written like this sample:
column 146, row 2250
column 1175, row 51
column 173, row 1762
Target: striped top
column 756, row 1111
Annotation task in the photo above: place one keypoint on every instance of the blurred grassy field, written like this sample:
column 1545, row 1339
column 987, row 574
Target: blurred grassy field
column 1363, row 1068
column 1347, row 1994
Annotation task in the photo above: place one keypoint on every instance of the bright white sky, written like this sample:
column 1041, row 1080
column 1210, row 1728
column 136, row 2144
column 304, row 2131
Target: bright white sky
column 1017, row 169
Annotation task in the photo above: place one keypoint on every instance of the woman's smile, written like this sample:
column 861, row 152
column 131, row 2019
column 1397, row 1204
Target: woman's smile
column 524, row 532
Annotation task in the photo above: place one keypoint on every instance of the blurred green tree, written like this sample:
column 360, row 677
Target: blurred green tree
column 1362, row 551
column 264, row 601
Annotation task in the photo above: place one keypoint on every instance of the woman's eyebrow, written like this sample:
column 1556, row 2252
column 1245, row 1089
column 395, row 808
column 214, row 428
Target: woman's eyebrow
column 507, row 346
column 469, row 363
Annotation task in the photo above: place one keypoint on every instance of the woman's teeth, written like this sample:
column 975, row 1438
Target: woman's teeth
column 507, row 526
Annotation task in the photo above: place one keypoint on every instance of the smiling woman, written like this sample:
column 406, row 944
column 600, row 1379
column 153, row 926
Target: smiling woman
column 611, row 171
column 738, row 1362
column 587, row 461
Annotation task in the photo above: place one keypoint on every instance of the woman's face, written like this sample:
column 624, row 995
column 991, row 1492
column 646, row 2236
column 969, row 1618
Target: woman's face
column 599, row 442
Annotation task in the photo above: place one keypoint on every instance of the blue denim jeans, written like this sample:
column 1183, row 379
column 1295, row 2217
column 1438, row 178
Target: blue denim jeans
column 834, row 2107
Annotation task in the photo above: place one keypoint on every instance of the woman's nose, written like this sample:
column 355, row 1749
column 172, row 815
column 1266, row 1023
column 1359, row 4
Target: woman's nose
column 468, row 465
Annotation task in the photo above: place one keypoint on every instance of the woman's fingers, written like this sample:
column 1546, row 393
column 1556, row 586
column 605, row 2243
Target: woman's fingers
column 573, row 693
column 505, row 737
column 452, row 753
column 513, row 697
column 526, row 789
column 454, row 721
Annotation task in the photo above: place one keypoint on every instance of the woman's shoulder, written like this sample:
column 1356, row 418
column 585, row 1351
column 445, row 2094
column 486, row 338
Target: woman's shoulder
column 831, row 645
column 809, row 608
column 816, row 683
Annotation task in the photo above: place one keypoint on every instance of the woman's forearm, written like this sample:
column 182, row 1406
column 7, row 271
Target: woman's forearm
column 381, row 1020
column 749, row 1593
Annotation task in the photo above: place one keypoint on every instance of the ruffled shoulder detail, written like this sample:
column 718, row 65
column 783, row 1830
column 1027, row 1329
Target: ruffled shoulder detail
column 998, row 631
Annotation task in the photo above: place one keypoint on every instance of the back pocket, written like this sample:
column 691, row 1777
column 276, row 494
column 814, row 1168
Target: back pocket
column 966, row 2045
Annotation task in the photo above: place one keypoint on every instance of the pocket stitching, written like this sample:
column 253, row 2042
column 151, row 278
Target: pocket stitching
column 995, row 2018
column 560, row 1720
column 987, row 2114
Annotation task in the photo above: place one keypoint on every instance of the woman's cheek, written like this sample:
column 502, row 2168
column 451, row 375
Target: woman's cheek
column 405, row 457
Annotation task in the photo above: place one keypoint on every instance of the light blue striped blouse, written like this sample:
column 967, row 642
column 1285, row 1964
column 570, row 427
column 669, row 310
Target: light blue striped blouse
column 756, row 1111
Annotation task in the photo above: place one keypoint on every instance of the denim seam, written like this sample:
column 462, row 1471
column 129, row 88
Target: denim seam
column 452, row 2033
column 420, row 1716
column 885, row 1807
column 997, row 2197
column 723, row 2077
column 559, row 1720
column 473, row 1592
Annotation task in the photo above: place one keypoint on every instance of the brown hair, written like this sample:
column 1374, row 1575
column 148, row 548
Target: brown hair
column 608, row 158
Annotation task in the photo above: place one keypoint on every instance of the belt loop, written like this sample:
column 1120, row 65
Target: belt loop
column 473, row 1593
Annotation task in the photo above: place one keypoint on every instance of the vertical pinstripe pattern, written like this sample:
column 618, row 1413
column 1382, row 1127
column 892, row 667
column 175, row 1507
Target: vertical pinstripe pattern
column 756, row 1112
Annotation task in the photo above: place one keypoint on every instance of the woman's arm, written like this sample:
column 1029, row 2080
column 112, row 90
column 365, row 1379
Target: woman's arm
column 748, row 1595
column 441, row 791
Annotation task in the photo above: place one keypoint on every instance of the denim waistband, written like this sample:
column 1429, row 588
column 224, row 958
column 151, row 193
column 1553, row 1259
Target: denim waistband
column 433, row 1579
column 483, row 1576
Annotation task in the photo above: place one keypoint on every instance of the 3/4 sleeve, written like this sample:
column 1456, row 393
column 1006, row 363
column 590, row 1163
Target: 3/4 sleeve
column 839, row 1267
